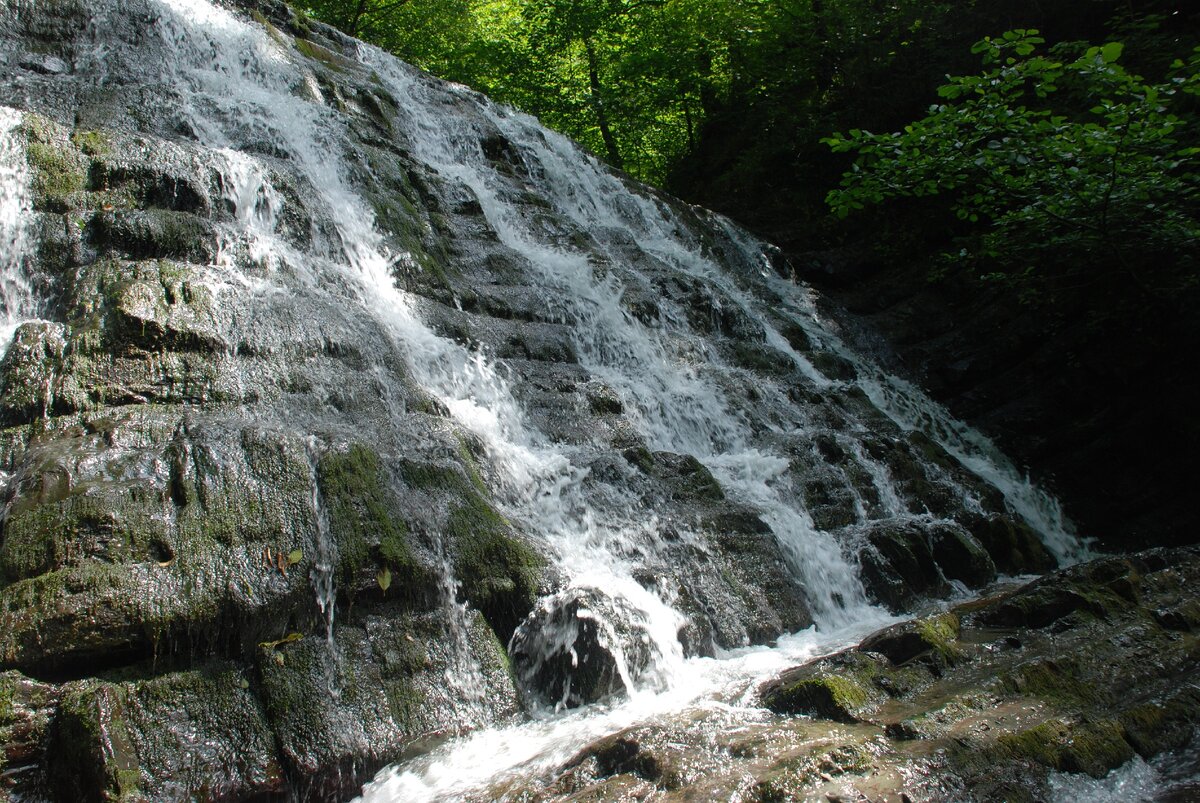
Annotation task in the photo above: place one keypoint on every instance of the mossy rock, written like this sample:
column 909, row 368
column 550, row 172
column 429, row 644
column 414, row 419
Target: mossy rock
column 30, row 370
column 839, row 688
column 1013, row 546
column 26, row 709
column 762, row 359
column 499, row 573
column 181, row 735
column 834, row 698
column 833, row 366
column 960, row 556
column 155, row 234
column 365, row 525
column 92, row 756
column 1040, row 605
column 161, row 305
column 1088, row 747
column 684, row 477
column 343, row 709
column 935, row 636
column 102, row 567
column 59, row 169
column 897, row 566
column 831, row 503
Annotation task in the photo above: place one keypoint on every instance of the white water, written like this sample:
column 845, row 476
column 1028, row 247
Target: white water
column 238, row 84
column 910, row 408
column 1172, row 776
column 17, row 301
column 490, row 757
column 675, row 404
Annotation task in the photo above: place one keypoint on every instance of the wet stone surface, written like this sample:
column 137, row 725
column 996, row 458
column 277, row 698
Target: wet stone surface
column 962, row 705
column 354, row 414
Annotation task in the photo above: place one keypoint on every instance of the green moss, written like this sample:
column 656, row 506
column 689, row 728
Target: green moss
column 93, row 143
column 499, row 574
column 311, row 50
column 1091, row 747
column 300, row 22
column 405, row 700
column 641, row 458
column 1055, row 682
column 92, row 755
column 941, row 634
column 155, row 233
column 58, row 172
column 471, row 467
column 360, row 517
column 56, row 533
column 433, row 477
column 1166, row 724
column 829, row 697
column 697, row 482
column 7, row 693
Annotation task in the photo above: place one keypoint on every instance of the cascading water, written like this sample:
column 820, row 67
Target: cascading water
column 667, row 381
column 913, row 410
column 678, row 404
column 17, row 302
column 656, row 301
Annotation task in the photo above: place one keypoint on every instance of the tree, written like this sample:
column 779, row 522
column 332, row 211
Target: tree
column 1067, row 170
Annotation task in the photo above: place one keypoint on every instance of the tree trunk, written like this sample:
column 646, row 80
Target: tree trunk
column 359, row 10
column 687, row 118
column 610, row 142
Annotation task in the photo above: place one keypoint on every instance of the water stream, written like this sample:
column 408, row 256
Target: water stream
column 239, row 89
column 17, row 301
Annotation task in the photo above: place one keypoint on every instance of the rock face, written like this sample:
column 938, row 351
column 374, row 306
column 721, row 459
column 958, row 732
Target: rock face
column 346, row 412
column 1104, row 413
column 1079, row 672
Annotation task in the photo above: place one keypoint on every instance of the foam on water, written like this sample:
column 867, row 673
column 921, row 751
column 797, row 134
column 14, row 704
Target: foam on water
column 488, row 758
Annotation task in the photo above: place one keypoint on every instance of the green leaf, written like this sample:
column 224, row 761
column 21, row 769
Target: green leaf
column 295, row 556
column 384, row 578
column 1111, row 52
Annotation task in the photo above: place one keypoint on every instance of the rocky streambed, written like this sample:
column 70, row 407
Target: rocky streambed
column 1001, row 698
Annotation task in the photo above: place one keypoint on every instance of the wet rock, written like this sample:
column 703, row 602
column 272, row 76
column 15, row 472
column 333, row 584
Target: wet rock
column 996, row 720
column 26, row 709
column 497, row 571
column 29, row 371
column 1012, row 545
column 242, row 549
column 960, row 556
column 47, row 65
column 685, row 476
column 898, row 567
column 581, row 646
column 341, row 710
column 935, row 636
column 1003, row 713
column 832, row 689
column 162, row 737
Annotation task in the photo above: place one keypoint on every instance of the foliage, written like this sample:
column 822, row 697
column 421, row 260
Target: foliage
column 631, row 79
column 1052, row 155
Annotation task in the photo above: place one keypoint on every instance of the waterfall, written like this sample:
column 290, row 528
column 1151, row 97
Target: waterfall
column 655, row 299
column 678, row 404
column 241, row 83
column 17, row 301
